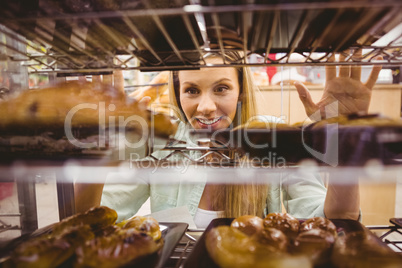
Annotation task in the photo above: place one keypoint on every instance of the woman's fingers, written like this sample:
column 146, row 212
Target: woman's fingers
column 330, row 70
column 344, row 70
column 144, row 102
column 135, row 94
column 374, row 74
column 356, row 70
column 306, row 99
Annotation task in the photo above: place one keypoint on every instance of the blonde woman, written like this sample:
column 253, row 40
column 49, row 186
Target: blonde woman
column 208, row 99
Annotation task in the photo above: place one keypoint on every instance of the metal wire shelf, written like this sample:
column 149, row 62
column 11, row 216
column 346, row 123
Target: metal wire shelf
column 180, row 254
column 91, row 42
column 6, row 227
column 392, row 236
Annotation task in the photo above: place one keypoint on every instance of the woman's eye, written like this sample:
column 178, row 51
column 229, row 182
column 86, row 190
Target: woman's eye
column 221, row 89
column 191, row 91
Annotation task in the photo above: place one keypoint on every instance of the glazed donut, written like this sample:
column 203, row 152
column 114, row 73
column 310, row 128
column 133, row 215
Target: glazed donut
column 273, row 237
column 248, row 224
column 229, row 247
column 316, row 244
column 288, row 224
column 319, row 223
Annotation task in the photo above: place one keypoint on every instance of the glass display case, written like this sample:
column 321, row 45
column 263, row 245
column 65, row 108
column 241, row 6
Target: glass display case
column 45, row 42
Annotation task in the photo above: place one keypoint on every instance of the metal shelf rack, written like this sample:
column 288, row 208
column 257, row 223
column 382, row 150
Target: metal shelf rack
column 94, row 40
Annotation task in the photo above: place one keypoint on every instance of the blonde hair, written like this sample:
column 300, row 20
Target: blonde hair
column 234, row 199
column 241, row 199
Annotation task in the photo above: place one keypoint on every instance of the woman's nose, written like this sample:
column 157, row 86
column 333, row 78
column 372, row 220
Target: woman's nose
column 206, row 105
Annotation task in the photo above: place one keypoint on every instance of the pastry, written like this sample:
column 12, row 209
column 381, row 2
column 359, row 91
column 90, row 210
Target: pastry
column 319, row 223
column 76, row 105
column 288, row 224
column 91, row 239
column 97, row 218
column 147, row 225
column 120, row 249
column 248, row 224
column 273, row 237
column 49, row 250
column 230, row 247
column 316, row 244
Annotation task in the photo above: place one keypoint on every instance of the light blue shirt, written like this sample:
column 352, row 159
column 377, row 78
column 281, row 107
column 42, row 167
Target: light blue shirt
column 303, row 196
column 301, row 193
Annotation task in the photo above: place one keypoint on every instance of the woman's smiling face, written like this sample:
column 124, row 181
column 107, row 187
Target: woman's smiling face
column 209, row 96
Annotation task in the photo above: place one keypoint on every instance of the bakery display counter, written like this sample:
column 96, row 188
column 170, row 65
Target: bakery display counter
column 65, row 173
column 79, row 38
column 334, row 243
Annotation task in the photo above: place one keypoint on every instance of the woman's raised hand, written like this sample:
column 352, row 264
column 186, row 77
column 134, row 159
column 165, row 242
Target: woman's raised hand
column 156, row 88
column 343, row 94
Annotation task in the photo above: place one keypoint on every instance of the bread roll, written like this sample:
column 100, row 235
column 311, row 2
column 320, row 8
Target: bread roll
column 288, row 224
column 49, row 250
column 147, row 225
column 77, row 104
column 273, row 237
column 120, row 249
column 97, row 218
column 248, row 224
column 316, row 244
column 93, row 239
column 230, row 247
column 319, row 223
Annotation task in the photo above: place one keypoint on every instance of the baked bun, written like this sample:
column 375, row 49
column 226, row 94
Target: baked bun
column 315, row 244
column 91, row 239
column 319, row 223
column 248, row 224
column 288, row 224
column 273, row 237
column 120, row 249
column 79, row 104
column 230, row 247
column 48, row 250
column 97, row 218
column 147, row 225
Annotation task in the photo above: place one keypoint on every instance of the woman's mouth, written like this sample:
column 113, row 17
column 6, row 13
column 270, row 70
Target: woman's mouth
column 208, row 122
